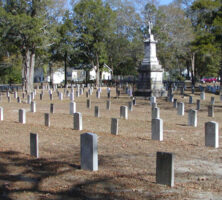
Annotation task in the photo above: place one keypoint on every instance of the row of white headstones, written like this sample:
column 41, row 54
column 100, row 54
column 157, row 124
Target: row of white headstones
column 89, row 155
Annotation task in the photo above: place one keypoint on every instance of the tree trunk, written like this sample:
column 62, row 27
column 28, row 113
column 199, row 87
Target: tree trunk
column 28, row 70
column 188, row 71
column 221, row 77
column 65, row 61
column 50, row 74
column 87, row 76
column 193, row 69
column 221, row 72
column 97, row 72
column 97, row 76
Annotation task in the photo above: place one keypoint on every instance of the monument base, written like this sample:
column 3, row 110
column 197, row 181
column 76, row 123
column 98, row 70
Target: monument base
column 147, row 89
column 149, row 93
column 143, row 93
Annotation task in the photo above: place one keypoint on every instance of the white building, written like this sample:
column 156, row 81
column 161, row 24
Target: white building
column 106, row 73
column 72, row 74
column 58, row 76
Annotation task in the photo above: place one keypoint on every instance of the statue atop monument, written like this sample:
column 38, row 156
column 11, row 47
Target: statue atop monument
column 150, row 81
column 150, row 26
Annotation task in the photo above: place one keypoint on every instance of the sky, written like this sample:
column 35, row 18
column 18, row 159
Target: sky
column 165, row 2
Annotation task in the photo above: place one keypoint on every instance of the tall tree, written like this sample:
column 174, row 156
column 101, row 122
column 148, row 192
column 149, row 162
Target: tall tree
column 22, row 26
column 62, row 49
column 93, row 20
column 125, row 42
column 206, row 17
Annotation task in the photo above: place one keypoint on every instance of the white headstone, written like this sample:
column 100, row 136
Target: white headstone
column 180, row 109
column 157, row 129
column 89, row 152
column 77, row 124
column 212, row 134
column 192, row 118
column 72, row 108
column 34, row 147
column 1, row 114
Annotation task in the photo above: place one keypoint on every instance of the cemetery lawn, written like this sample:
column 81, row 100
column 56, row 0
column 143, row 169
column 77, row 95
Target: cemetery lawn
column 127, row 162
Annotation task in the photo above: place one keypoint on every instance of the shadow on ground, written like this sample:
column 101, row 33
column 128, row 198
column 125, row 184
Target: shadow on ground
column 33, row 172
column 22, row 176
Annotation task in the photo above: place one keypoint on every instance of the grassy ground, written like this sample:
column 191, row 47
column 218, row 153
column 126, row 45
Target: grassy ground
column 127, row 162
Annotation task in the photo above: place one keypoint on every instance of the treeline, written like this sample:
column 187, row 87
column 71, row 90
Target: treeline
column 86, row 33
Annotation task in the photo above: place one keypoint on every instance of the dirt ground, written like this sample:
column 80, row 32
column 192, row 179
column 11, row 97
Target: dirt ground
column 127, row 162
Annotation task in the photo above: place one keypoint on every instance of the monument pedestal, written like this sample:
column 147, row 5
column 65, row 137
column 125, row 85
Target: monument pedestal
column 150, row 81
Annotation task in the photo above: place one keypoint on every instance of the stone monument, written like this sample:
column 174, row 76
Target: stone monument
column 150, row 81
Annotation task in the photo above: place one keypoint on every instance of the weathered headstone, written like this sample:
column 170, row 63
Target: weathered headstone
column 18, row 100
column 52, row 108
column 40, row 96
column 1, row 113
column 61, row 96
column 108, row 104
column 34, row 146
column 124, row 112
column 175, row 103
column 114, row 126
column 108, row 93
column 47, row 119
column 192, row 118
column 190, row 99
column 171, row 98
column 50, row 91
column 97, row 112
column 212, row 134
column 77, row 121
column 134, row 101
column 88, row 103
column 81, row 91
column 72, row 108
column 67, row 93
column 193, row 90
column 212, row 100
column 152, row 100
column 72, row 98
column 87, row 94
column 182, row 90
column 180, row 109
column 165, row 168
column 130, row 106
column 29, row 100
column 33, row 106
column 15, row 95
column 157, row 129
column 77, row 93
column 89, row 152
column 211, row 111
column 32, row 96
column 98, row 94
column 198, row 104
column 154, row 105
column 202, row 95
column 22, row 116
column 90, row 91
column 155, row 113
column 51, row 97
